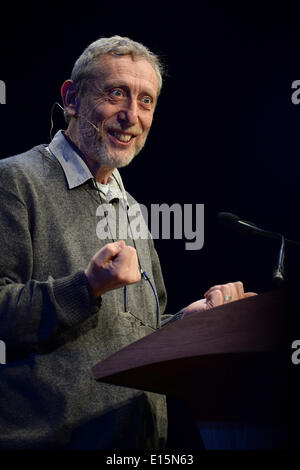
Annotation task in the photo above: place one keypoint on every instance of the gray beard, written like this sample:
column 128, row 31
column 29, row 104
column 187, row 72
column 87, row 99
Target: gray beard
column 97, row 151
column 113, row 161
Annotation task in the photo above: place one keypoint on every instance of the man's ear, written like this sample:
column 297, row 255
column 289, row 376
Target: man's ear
column 70, row 98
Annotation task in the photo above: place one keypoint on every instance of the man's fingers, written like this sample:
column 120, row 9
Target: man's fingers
column 212, row 288
column 128, row 266
column 109, row 251
column 239, row 289
column 215, row 298
column 235, row 291
column 114, row 266
column 231, row 290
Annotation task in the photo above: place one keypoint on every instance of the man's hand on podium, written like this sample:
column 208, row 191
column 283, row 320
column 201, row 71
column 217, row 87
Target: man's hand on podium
column 218, row 295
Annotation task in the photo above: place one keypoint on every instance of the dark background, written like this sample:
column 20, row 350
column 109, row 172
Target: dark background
column 225, row 133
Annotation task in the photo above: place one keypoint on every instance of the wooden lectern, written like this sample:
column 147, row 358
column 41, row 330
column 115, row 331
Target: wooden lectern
column 231, row 363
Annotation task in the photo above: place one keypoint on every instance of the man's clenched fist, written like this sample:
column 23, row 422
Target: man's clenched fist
column 114, row 266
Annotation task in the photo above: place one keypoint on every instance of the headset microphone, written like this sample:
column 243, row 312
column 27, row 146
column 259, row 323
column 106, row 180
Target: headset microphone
column 77, row 115
column 82, row 116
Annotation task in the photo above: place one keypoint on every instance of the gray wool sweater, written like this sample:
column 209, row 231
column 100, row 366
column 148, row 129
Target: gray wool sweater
column 55, row 330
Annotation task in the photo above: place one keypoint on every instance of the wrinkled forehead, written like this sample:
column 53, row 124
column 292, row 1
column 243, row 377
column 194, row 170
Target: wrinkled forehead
column 130, row 70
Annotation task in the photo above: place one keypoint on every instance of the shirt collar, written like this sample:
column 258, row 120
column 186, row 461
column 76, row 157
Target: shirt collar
column 77, row 172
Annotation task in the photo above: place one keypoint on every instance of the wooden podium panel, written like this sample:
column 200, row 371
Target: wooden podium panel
column 230, row 362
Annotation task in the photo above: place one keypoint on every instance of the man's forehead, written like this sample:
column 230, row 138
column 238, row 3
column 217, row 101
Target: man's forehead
column 111, row 68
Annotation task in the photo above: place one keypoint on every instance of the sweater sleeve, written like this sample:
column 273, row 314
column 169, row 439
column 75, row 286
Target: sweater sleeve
column 31, row 311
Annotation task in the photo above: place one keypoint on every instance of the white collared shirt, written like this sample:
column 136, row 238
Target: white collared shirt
column 77, row 172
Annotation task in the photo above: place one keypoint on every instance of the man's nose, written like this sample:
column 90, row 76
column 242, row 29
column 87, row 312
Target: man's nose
column 129, row 112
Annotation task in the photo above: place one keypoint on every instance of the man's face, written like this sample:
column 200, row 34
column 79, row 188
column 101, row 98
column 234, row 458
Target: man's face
column 120, row 102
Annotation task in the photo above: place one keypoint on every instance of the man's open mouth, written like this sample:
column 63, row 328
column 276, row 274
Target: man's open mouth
column 121, row 136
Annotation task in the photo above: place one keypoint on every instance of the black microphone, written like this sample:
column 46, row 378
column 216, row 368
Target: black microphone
column 234, row 221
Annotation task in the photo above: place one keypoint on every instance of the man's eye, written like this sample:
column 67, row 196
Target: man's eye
column 116, row 93
column 147, row 100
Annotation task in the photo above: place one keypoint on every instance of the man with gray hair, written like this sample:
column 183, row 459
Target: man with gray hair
column 68, row 298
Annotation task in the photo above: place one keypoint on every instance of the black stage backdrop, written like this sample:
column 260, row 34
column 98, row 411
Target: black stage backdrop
column 225, row 132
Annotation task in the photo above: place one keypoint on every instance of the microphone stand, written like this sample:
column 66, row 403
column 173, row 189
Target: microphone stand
column 278, row 275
